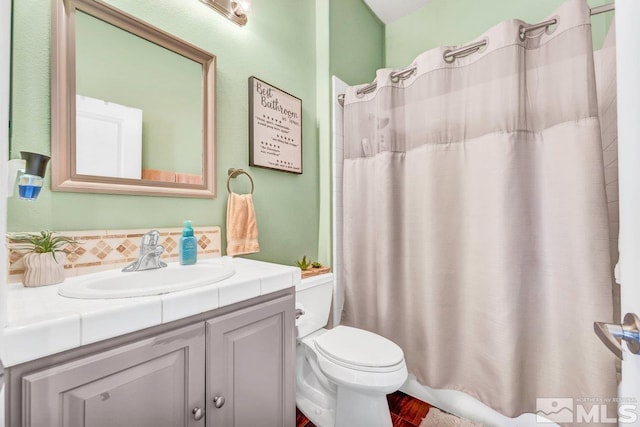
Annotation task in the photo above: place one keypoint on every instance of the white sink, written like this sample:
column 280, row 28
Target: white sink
column 174, row 277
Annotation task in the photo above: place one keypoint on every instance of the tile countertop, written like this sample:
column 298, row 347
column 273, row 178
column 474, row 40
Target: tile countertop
column 41, row 322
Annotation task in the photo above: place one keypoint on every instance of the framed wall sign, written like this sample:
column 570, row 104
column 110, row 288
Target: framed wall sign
column 275, row 128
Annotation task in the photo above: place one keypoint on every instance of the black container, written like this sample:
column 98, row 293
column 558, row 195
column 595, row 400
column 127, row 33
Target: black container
column 36, row 163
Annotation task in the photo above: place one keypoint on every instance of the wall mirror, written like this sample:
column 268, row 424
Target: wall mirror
column 132, row 107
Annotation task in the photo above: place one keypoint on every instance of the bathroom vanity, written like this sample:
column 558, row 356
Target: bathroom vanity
column 232, row 365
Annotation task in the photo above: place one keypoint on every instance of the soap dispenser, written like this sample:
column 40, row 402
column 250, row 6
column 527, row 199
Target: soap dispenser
column 188, row 247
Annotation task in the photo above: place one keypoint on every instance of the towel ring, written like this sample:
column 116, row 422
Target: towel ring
column 234, row 173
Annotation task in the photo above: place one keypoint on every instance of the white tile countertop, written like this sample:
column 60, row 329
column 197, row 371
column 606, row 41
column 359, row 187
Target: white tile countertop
column 41, row 322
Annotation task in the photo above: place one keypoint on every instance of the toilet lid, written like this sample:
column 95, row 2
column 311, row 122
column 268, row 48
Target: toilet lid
column 358, row 348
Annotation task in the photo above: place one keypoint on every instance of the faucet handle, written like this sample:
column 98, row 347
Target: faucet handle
column 150, row 252
column 150, row 239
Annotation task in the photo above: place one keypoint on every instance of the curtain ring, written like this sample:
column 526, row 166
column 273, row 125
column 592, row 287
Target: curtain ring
column 448, row 58
column 450, row 55
column 544, row 26
column 522, row 35
column 404, row 74
column 233, row 173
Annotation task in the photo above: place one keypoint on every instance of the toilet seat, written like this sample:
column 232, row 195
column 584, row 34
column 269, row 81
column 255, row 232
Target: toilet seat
column 360, row 350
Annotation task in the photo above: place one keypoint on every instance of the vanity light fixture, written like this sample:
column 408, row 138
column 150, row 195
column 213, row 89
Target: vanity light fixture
column 30, row 171
column 234, row 10
column 241, row 7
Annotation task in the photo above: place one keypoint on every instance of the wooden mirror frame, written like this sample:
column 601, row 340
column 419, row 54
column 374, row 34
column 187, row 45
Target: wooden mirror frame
column 63, row 104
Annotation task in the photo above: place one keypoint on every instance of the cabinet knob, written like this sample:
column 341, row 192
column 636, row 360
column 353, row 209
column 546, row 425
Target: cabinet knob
column 218, row 401
column 198, row 413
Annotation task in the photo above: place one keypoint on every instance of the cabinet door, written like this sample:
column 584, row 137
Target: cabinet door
column 154, row 382
column 250, row 364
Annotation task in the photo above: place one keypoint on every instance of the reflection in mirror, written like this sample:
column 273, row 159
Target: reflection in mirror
column 137, row 109
column 134, row 107
column 108, row 139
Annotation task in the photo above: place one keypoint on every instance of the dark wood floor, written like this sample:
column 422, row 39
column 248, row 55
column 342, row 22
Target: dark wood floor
column 406, row 411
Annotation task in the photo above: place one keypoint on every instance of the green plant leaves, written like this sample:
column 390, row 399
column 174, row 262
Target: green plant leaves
column 304, row 263
column 43, row 242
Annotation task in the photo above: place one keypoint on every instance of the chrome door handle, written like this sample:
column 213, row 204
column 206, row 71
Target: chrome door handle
column 612, row 335
column 218, row 401
column 198, row 413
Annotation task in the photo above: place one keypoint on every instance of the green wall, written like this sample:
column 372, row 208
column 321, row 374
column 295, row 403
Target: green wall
column 357, row 41
column 350, row 45
column 277, row 45
column 456, row 22
column 117, row 66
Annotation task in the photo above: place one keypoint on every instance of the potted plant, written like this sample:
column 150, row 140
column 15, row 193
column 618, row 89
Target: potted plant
column 311, row 268
column 43, row 263
column 304, row 263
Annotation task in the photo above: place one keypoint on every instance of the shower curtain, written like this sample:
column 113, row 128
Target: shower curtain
column 475, row 217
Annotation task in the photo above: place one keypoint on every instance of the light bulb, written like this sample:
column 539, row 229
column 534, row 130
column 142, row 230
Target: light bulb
column 240, row 7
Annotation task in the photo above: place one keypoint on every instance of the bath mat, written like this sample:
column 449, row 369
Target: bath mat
column 437, row 418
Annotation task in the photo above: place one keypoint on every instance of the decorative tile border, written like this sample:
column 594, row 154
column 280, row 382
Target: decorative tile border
column 108, row 249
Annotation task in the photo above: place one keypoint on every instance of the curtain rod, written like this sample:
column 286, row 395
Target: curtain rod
column 450, row 55
column 602, row 9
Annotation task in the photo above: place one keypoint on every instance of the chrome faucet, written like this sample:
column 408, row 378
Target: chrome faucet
column 150, row 252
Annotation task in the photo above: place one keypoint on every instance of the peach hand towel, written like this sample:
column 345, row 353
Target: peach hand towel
column 242, row 227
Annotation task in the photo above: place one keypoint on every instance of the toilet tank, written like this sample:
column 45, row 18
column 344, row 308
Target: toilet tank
column 313, row 297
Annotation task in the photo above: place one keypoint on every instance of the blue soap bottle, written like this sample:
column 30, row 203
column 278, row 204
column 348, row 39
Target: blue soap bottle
column 188, row 247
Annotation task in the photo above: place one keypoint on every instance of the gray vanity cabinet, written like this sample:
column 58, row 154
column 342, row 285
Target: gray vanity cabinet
column 250, row 375
column 243, row 355
column 153, row 382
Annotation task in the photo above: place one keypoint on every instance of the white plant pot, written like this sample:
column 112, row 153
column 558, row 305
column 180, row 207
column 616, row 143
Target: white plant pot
column 42, row 269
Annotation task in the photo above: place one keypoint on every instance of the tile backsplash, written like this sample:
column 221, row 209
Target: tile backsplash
column 108, row 249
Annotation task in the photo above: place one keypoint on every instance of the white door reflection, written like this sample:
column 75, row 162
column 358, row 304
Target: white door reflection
column 108, row 139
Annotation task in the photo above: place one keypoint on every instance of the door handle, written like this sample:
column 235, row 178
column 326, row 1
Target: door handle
column 612, row 335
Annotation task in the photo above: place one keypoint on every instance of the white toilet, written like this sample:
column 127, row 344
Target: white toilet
column 342, row 374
